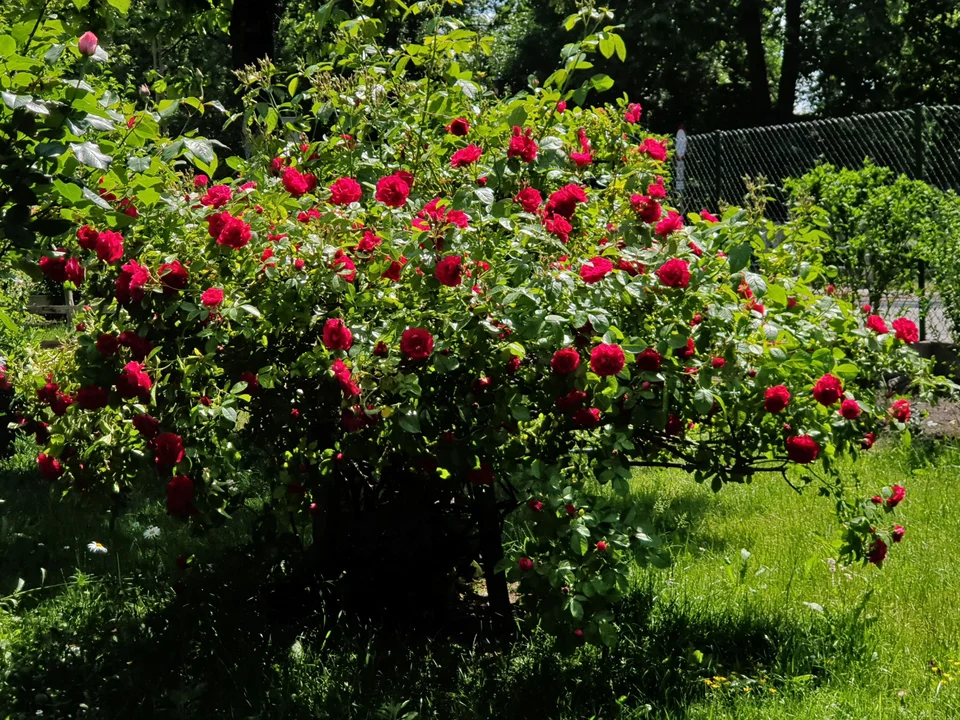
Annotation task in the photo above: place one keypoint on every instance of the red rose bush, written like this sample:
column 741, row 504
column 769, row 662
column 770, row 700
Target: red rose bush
column 429, row 341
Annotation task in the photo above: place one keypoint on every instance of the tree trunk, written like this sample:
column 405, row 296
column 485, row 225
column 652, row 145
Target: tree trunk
column 491, row 553
column 751, row 25
column 251, row 31
column 790, row 67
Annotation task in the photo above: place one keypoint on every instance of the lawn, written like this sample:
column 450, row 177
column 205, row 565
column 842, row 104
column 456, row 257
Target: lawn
column 752, row 620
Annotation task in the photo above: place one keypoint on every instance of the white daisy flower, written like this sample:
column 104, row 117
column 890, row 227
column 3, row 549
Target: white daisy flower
column 97, row 548
column 151, row 533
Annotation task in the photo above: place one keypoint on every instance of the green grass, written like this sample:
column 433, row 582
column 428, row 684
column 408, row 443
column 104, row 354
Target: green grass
column 791, row 636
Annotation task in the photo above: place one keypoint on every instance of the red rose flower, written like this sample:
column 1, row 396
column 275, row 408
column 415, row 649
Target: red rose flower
column 657, row 190
column 381, row 349
column 180, row 496
column 828, row 390
column 906, row 330
column 92, row 397
column 606, row 360
column 60, row 404
column 87, row 44
column 632, row 113
column 297, row 183
column 898, row 532
column 868, row 440
column 109, row 246
column 595, row 270
column 173, row 277
column 139, row 347
column 565, row 361
column 877, row 552
column 54, row 268
column 535, row 505
column 107, row 344
column 336, row 335
column 234, row 232
column 571, row 401
column 146, row 425
column 587, row 418
column 687, row 351
column 802, row 449
column 87, row 237
column 561, row 107
column 522, row 145
column 217, row 196
column 252, row 381
column 601, row 547
column 74, row 272
column 416, row 343
column 212, row 297
column 49, row 466
column 876, row 323
column 369, row 242
column 671, row 223
column 646, row 208
column 899, row 492
column 168, row 449
column 465, row 157
column 530, row 199
column 708, row 216
column 776, row 399
column 393, row 191
column 525, row 564
column 674, row 273
column 850, row 409
column 459, row 127
column 345, row 191
column 512, row 365
column 558, row 226
column 649, row 360
column 134, row 382
column 344, row 267
column 565, row 200
column 900, row 410
column 48, row 393
column 449, row 271
column 201, row 181
column 482, row 475
column 393, row 272
column 654, row 149
column 718, row 363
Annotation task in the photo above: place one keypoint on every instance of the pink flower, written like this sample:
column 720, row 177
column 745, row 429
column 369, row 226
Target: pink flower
column 828, row 390
column 336, row 335
column 897, row 494
column 601, row 547
column 707, row 216
column 212, row 297
column 234, row 232
column 201, row 181
column 655, row 149
column 901, row 410
column 87, row 44
column 344, row 267
column 565, row 200
column 646, row 208
column 109, row 246
column 898, row 532
column 632, row 113
column 393, row 191
column 850, row 409
column 297, row 183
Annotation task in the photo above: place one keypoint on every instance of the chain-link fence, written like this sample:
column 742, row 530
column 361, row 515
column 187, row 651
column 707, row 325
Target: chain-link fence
column 922, row 143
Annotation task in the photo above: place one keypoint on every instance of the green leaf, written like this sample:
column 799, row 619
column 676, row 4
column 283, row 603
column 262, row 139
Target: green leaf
column 8, row 46
column 485, row 195
column 273, row 117
column 200, row 149
column 601, row 82
column 229, row 414
column 96, row 199
column 847, row 371
column 89, row 154
column 608, row 634
column 251, row 309
column 578, row 543
column 138, row 164
column 740, row 257
column 621, row 47
column 410, row 422
column 122, row 5
column 777, row 295
column 703, row 401
column 576, row 608
column 607, row 47
column 68, row 191
column 520, row 413
column 7, row 322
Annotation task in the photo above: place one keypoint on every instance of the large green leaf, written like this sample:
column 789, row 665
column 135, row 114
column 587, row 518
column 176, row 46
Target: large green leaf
column 90, row 155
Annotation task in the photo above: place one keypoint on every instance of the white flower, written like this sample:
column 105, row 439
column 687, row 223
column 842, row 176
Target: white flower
column 96, row 547
column 152, row 532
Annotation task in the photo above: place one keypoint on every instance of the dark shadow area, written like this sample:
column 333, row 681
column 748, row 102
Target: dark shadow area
column 225, row 647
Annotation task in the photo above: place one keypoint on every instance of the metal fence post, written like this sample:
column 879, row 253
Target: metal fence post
column 919, row 153
column 717, row 170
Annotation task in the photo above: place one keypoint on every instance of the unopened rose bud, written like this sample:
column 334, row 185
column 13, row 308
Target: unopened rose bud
column 87, row 44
